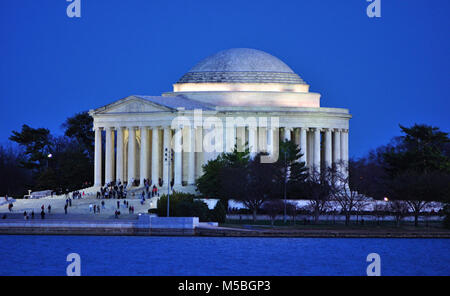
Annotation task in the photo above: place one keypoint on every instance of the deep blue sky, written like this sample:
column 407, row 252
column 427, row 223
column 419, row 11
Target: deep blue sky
column 386, row 71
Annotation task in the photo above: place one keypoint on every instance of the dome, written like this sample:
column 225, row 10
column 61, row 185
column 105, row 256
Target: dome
column 241, row 65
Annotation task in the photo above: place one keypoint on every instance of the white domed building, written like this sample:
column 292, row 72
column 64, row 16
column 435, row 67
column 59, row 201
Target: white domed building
column 235, row 96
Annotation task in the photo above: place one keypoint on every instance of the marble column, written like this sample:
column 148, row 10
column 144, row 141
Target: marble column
column 113, row 153
column 131, row 155
column 119, row 167
column 199, row 151
column 191, row 154
column 262, row 139
column 337, row 147
column 230, row 138
column 344, row 146
column 303, row 145
column 296, row 135
column 316, row 159
column 328, row 148
column 207, row 146
column 144, row 155
column 155, row 155
column 253, row 140
column 178, row 157
column 270, row 140
column 344, row 151
column 98, row 158
column 287, row 134
column 167, row 149
column 109, row 155
column 310, row 142
column 240, row 138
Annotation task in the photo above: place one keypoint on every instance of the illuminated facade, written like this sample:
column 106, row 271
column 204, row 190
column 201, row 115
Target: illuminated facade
column 249, row 86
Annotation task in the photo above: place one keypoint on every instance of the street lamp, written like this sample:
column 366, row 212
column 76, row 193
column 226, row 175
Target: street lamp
column 168, row 157
column 48, row 158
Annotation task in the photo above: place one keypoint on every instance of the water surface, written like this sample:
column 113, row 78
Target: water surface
column 123, row 255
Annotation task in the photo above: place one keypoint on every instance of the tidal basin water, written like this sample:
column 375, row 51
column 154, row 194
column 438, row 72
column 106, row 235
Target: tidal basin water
column 46, row 255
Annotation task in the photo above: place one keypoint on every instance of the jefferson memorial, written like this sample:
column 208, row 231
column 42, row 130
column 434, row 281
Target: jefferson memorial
column 233, row 97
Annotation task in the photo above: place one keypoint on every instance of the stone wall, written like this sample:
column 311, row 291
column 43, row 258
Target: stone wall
column 145, row 225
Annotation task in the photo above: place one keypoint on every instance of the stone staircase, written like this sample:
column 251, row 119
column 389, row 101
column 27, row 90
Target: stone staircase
column 81, row 206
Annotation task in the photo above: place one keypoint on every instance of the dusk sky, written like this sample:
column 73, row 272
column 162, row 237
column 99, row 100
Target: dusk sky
column 388, row 71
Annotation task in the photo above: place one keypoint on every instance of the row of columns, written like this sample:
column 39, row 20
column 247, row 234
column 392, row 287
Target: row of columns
column 310, row 140
column 333, row 141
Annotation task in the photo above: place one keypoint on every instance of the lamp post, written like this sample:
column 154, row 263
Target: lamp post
column 48, row 158
column 168, row 157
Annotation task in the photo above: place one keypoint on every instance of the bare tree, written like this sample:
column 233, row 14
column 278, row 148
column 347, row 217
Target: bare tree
column 292, row 210
column 318, row 189
column 345, row 190
column 400, row 209
column 379, row 210
column 361, row 207
column 273, row 208
column 306, row 210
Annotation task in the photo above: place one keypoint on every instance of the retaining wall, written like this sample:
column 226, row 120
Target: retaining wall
column 145, row 225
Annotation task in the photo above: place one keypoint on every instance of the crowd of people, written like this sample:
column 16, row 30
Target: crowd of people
column 126, row 205
column 77, row 194
column 118, row 190
column 111, row 190
column 96, row 209
column 27, row 215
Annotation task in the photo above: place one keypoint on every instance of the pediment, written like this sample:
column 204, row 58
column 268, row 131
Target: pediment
column 132, row 104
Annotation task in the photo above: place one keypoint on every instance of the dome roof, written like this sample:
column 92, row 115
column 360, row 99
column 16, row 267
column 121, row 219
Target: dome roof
column 241, row 65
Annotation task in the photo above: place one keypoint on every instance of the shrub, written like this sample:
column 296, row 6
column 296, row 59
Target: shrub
column 184, row 205
column 175, row 199
column 219, row 213
column 195, row 208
